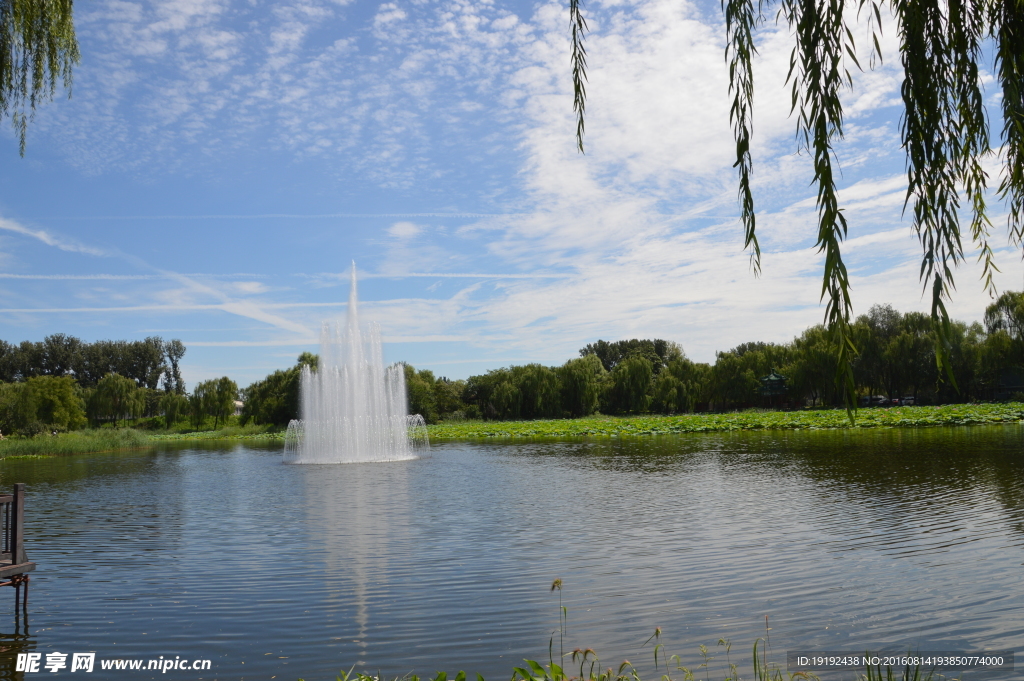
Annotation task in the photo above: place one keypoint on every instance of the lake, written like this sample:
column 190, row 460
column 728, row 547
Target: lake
column 845, row 540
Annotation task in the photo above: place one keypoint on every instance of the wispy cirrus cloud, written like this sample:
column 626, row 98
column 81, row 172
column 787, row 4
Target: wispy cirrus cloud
column 61, row 242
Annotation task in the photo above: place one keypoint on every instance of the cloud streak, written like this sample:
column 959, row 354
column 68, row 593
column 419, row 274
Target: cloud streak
column 49, row 239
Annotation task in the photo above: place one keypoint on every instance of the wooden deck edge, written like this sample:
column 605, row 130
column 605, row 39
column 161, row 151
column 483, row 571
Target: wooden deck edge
column 18, row 569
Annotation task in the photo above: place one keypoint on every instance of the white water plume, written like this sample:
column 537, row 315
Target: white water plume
column 353, row 408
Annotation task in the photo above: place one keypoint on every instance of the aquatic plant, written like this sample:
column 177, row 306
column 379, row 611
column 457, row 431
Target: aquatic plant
column 817, row 419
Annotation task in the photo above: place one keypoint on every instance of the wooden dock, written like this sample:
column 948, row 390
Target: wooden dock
column 14, row 564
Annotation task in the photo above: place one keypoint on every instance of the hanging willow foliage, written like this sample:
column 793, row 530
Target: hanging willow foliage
column 944, row 129
column 37, row 49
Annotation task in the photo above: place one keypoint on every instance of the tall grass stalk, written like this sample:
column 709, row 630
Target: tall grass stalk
column 563, row 616
column 590, row 664
column 590, row 669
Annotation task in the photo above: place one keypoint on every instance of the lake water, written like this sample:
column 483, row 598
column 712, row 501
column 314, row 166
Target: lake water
column 845, row 540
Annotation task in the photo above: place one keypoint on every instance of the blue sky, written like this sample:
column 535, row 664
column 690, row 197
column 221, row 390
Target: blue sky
column 222, row 162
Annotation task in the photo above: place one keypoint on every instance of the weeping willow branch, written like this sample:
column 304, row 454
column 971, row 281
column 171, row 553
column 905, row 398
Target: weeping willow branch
column 37, row 50
column 944, row 131
column 817, row 74
column 1007, row 22
column 741, row 19
column 578, row 27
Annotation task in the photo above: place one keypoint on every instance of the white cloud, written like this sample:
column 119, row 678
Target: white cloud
column 404, row 230
column 250, row 287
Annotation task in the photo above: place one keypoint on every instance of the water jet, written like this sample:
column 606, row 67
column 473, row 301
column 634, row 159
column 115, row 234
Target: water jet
column 353, row 408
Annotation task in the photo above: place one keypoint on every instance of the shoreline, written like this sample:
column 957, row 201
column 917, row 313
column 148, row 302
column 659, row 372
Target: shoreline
column 951, row 415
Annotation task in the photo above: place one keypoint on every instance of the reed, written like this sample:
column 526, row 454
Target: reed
column 76, row 442
column 671, row 667
column 590, row 670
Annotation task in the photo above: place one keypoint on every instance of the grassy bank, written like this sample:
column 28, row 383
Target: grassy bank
column 78, row 442
column 114, row 439
column 249, row 432
column 610, row 426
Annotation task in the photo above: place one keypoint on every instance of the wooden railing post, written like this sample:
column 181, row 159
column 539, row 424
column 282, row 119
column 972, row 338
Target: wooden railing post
column 17, row 524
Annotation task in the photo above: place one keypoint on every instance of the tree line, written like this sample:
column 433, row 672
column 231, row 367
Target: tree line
column 52, row 385
column 895, row 360
column 62, row 383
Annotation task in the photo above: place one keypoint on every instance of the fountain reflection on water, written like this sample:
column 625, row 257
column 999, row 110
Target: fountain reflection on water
column 353, row 407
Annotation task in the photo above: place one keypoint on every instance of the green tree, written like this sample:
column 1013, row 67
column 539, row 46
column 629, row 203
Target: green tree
column 116, row 397
column 419, row 390
column 628, row 386
column 997, row 353
column 17, row 407
column 681, row 386
column 58, row 402
column 174, row 350
column 222, row 400
column 944, row 129
column 541, row 391
column 732, row 382
column 60, row 354
column 581, row 380
column 174, row 406
column 202, row 402
column 448, row 398
column 275, row 399
column 308, row 359
column 37, row 49
column 1006, row 315
column 8, row 362
column 658, row 351
column 530, row 391
column 813, row 369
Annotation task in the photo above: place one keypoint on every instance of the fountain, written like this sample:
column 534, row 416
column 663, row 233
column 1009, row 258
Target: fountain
column 353, row 408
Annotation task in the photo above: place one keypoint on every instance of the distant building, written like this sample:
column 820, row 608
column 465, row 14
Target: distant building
column 238, row 407
column 773, row 388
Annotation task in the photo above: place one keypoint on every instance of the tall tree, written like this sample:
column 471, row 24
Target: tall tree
column 174, row 350
column 38, row 48
column 222, row 403
column 944, row 130
column 201, row 402
column 60, row 354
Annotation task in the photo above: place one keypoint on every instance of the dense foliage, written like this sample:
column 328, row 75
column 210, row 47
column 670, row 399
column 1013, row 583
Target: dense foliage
column 275, row 399
column 896, row 362
column 62, row 383
column 41, row 404
column 143, row 361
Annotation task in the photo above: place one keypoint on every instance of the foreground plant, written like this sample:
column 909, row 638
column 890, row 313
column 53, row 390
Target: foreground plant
column 671, row 667
column 589, row 669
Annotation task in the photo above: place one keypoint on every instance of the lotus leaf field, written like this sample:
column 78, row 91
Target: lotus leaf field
column 818, row 419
